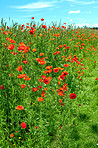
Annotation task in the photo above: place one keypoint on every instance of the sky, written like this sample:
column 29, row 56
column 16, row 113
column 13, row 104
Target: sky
column 75, row 12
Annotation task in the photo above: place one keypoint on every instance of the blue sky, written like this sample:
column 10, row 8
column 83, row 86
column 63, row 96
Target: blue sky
column 78, row 12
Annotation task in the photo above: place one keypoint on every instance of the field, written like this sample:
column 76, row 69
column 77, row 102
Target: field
column 48, row 86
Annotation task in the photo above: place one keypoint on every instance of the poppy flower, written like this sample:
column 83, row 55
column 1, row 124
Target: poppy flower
column 64, row 73
column 48, row 67
column 10, row 75
column 72, row 96
column 11, row 135
column 27, row 78
column 60, row 127
column 31, row 32
column 39, row 86
column 56, row 70
column 2, row 87
column 41, row 54
column 42, row 62
column 32, row 18
column 60, row 46
column 44, row 26
column 42, row 19
column 43, row 76
column 40, row 80
column 23, row 125
column 36, row 127
column 66, row 65
column 19, row 68
column 46, row 81
column 61, row 77
column 23, row 85
column 62, row 104
column 96, row 78
column 20, row 107
column 21, row 75
column 40, row 99
column 60, row 101
column 43, row 94
column 11, row 47
column 25, row 62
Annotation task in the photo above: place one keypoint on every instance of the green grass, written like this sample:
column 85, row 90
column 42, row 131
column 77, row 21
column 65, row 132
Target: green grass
column 49, row 124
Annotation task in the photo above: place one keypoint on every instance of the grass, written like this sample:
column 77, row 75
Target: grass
column 57, row 62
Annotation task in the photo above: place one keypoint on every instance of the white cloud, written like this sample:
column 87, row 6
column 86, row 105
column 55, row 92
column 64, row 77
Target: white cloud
column 78, row 11
column 36, row 5
column 95, row 25
column 81, row 2
column 85, row 3
column 70, row 19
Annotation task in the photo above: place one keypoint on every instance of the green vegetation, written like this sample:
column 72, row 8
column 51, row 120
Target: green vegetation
column 48, row 86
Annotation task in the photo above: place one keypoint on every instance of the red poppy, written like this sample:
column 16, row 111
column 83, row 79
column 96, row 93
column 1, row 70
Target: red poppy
column 42, row 62
column 11, row 47
column 27, row 78
column 20, row 107
column 32, row 18
column 25, row 62
column 43, row 76
column 48, row 67
column 42, row 19
column 60, row 46
column 66, row 65
column 60, row 127
column 2, row 87
column 96, row 78
column 64, row 73
column 39, row 86
column 11, row 41
column 56, row 70
column 23, row 125
column 40, row 80
column 11, row 135
column 41, row 54
column 46, row 81
column 36, row 127
column 19, row 68
column 22, row 47
column 40, row 99
column 33, row 29
column 21, row 75
column 43, row 94
column 72, row 96
column 62, row 104
column 23, row 85
column 60, row 101
column 31, row 32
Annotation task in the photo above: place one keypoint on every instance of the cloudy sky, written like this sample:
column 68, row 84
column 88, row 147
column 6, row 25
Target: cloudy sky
column 78, row 12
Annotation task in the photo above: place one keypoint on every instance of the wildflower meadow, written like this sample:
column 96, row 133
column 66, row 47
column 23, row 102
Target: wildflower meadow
column 48, row 86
